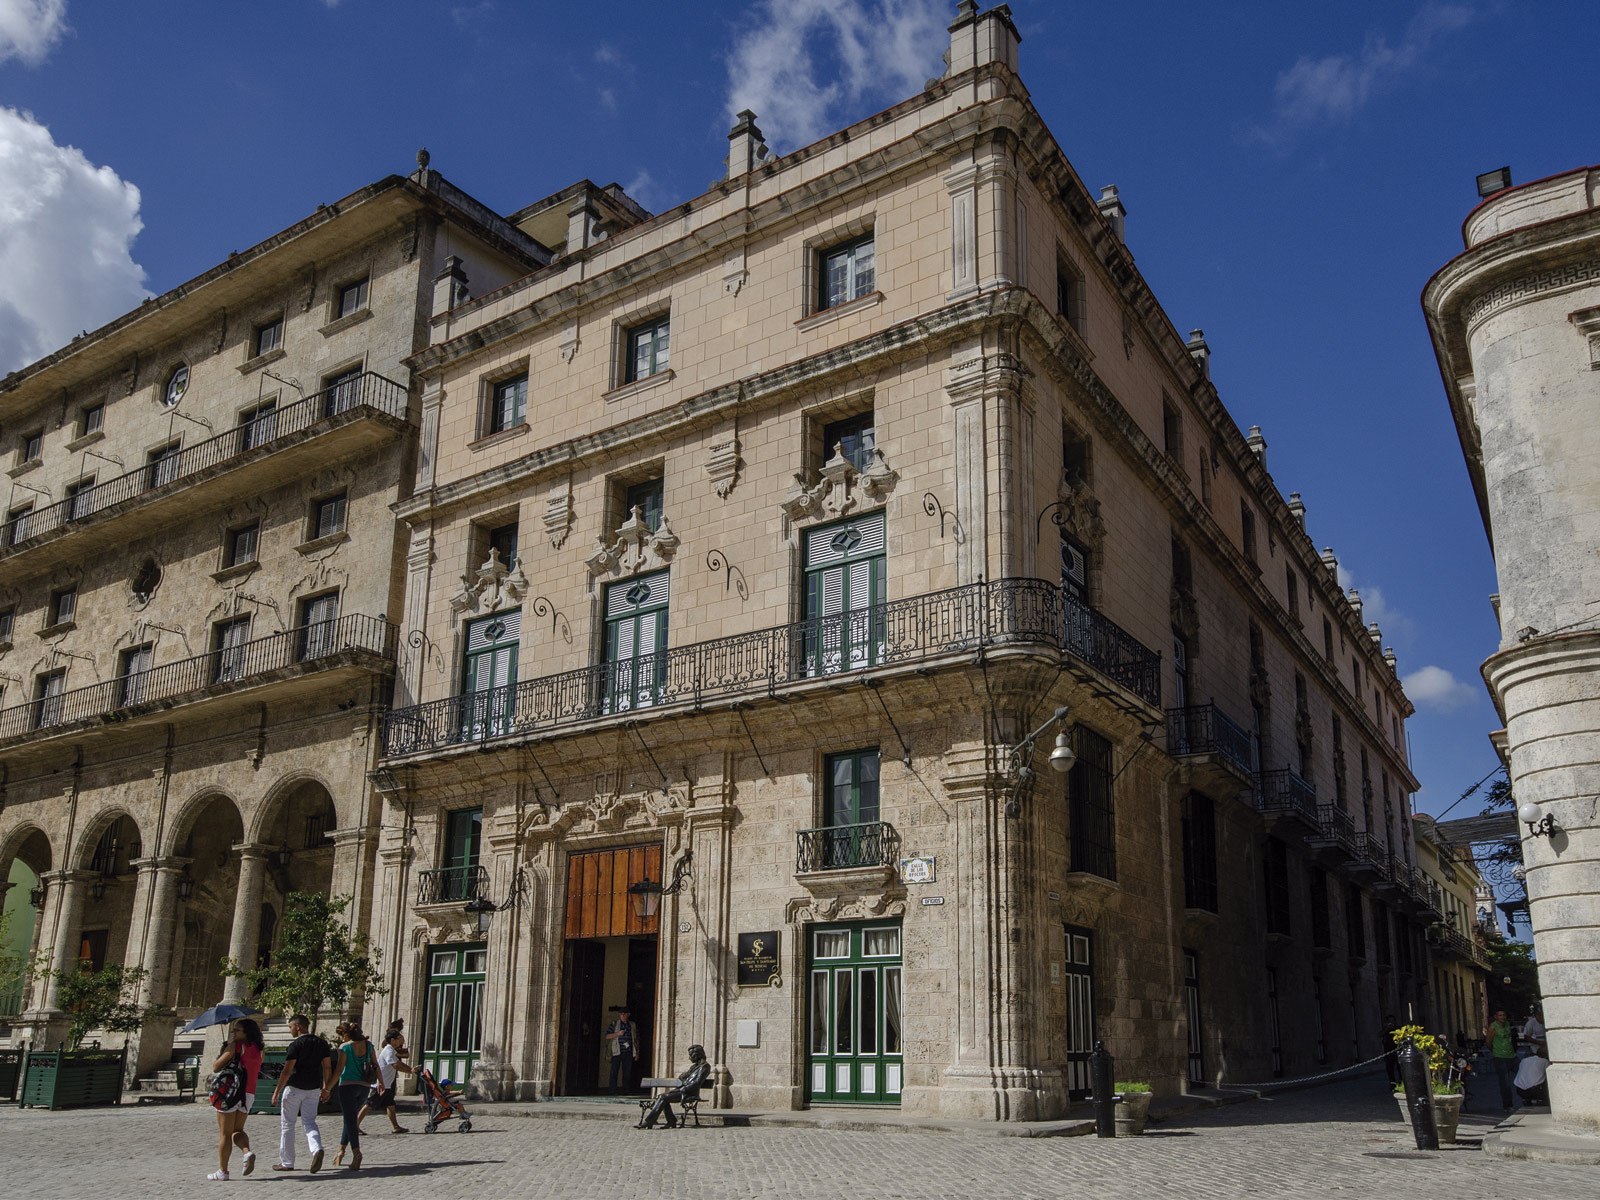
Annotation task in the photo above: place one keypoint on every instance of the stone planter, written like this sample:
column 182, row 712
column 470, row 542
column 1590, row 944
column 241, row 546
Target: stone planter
column 1132, row 1111
column 1446, row 1115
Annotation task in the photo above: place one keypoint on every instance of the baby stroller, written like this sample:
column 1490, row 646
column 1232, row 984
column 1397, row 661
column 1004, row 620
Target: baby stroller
column 443, row 1101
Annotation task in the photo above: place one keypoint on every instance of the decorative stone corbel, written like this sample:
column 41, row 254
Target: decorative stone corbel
column 722, row 464
column 494, row 587
column 568, row 346
column 637, row 548
column 558, row 515
column 840, row 488
column 1080, row 513
column 1587, row 322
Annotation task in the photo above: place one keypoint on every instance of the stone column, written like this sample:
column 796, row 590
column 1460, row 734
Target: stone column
column 246, row 917
column 158, row 880
column 67, row 888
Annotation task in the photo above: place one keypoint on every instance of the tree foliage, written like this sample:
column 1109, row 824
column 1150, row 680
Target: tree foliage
column 1513, row 960
column 318, row 964
column 14, row 972
column 106, row 999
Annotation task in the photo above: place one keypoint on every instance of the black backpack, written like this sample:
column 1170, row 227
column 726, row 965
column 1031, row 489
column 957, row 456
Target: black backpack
column 227, row 1089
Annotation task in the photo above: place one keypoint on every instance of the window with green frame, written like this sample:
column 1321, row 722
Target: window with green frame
column 489, row 674
column 850, row 835
column 648, row 349
column 636, row 642
column 463, row 840
column 845, row 591
column 646, row 496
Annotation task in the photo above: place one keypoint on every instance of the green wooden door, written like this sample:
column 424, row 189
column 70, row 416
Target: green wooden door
column 845, row 591
column 636, row 642
column 855, row 1015
column 452, row 1027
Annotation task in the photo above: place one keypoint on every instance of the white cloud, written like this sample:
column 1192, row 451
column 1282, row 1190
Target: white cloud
column 1328, row 90
column 885, row 50
column 642, row 188
column 66, row 229
column 1436, row 688
column 1376, row 609
column 29, row 29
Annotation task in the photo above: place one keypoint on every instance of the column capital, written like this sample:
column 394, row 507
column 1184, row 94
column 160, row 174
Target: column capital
column 64, row 877
column 170, row 862
column 254, row 850
column 352, row 835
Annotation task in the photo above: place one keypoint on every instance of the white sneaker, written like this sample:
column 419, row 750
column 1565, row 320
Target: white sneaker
column 220, row 1175
column 249, row 1161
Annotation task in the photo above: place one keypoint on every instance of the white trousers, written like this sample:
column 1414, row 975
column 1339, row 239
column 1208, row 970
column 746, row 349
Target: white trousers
column 298, row 1104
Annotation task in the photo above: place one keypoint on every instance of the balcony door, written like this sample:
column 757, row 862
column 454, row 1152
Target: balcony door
column 489, row 674
column 636, row 642
column 463, row 838
column 855, row 1026
column 452, row 1030
column 845, row 589
column 849, row 809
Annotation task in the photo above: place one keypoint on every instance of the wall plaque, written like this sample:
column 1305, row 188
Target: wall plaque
column 758, row 959
column 918, row 868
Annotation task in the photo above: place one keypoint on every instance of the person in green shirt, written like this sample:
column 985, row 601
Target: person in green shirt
column 1503, row 1049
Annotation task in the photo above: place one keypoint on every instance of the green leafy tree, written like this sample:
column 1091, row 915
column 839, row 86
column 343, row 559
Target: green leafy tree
column 14, row 972
column 1513, row 961
column 318, row 964
column 107, row 999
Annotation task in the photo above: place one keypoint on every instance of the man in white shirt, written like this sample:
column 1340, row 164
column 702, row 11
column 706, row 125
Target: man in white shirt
column 390, row 1064
column 1529, row 1080
column 1533, row 1028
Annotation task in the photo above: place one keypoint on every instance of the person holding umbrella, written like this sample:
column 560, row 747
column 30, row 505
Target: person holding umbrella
column 243, row 1051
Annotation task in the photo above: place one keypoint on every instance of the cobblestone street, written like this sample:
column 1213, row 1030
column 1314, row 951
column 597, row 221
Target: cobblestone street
column 1333, row 1141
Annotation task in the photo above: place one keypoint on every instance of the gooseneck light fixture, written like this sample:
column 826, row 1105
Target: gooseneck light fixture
column 1539, row 824
column 1018, row 772
column 647, row 893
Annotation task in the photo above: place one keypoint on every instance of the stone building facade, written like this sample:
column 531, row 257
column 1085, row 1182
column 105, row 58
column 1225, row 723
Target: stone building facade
column 1515, row 322
column 1457, row 964
column 749, row 543
column 199, row 591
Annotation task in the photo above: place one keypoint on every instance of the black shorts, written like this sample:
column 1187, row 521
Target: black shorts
column 382, row 1097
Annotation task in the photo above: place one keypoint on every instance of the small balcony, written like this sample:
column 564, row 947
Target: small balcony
column 1369, row 863
column 1207, row 738
column 360, row 407
column 350, row 641
column 1334, row 841
column 1281, row 795
column 846, row 858
column 452, row 885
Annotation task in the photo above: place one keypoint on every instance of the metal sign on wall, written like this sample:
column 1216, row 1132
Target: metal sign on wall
column 758, row 959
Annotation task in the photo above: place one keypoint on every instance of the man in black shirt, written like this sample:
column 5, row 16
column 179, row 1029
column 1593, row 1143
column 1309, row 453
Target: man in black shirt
column 306, row 1078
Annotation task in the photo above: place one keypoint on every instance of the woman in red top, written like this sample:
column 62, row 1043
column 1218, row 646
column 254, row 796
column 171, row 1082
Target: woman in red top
column 243, row 1049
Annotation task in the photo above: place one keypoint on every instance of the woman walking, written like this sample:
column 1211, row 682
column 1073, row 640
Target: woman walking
column 243, row 1051
column 355, row 1070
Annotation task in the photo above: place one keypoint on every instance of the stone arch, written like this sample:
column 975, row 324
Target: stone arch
column 114, row 820
column 31, row 844
column 207, row 829
column 110, row 844
column 189, row 814
column 270, row 813
column 296, row 821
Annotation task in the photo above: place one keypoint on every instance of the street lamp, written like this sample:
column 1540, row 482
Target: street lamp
column 647, row 893
column 482, row 909
column 1018, row 771
column 1539, row 824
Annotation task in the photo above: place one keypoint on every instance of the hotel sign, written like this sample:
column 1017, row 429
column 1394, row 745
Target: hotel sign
column 758, row 959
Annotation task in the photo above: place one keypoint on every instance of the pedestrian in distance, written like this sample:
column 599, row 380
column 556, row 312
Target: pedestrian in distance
column 391, row 1063
column 1533, row 1027
column 341, row 1034
column 623, row 1035
column 1503, row 1051
column 241, row 1057
column 355, row 1070
column 1530, row 1077
column 306, row 1076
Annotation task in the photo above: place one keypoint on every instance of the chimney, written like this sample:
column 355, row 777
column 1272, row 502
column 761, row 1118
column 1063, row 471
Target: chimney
column 1392, row 659
column 1200, row 352
column 1331, row 561
column 1111, row 208
column 449, row 286
column 583, row 224
column 978, row 38
column 1375, row 634
column 1355, row 601
column 1297, row 508
column 1257, row 444
column 746, row 147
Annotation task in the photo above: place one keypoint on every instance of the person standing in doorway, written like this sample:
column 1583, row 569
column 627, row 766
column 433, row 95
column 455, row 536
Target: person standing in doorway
column 391, row 1062
column 1503, row 1049
column 355, row 1070
column 623, row 1035
column 306, row 1077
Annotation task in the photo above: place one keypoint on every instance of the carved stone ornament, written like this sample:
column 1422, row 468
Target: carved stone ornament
column 840, row 488
column 494, row 587
column 558, row 515
column 1184, row 612
column 637, row 548
column 1260, row 686
column 722, row 464
column 568, row 346
column 608, row 813
column 803, row 909
column 1080, row 513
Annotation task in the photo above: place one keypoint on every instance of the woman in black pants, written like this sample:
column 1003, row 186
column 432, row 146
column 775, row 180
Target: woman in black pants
column 355, row 1066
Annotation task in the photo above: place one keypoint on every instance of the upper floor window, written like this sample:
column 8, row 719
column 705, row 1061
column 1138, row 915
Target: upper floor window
column 1182, row 567
column 1076, row 456
column 352, row 298
column 328, row 515
column 1172, row 430
column 1247, row 530
column 17, row 522
column 646, row 496
column 1180, row 670
column 648, row 349
column 845, row 586
column 341, row 391
column 63, row 605
column 177, row 385
column 852, row 791
column 258, row 425
column 132, row 669
column 47, row 701
column 1093, row 830
column 229, row 649
column 8, row 619
column 242, row 545
column 847, row 273
column 636, row 642
column 319, row 617
column 1070, row 296
column 856, row 438
column 78, row 498
column 1074, row 569
column 268, row 336
column 32, row 446
column 502, row 539
column 162, row 464
column 1199, row 852
column 92, row 419
column 1327, row 639
column 1291, row 583
column 508, row 404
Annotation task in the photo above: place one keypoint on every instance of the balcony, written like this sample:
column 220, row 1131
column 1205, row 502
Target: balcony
column 1335, row 839
column 164, row 482
column 952, row 624
column 1369, row 863
column 1282, row 794
column 1205, row 736
column 452, row 885
column 354, row 640
column 846, row 858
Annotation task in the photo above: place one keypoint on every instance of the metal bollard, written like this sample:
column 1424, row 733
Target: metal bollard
column 1419, row 1097
column 1102, row 1073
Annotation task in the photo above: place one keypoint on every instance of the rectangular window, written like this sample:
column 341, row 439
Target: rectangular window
column 47, row 701
column 850, row 810
column 258, row 425
column 8, row 619
column 77, row 495
column 133, row 668
column 1327, row 639
column 319, row 617
column 228, row 641
column 1182, row 567
column 17, row 522
column 1180, row 670
column 162, row 465
column 489, row 674
column 241, row 546
column 92, row 420
column 845, row 590
column 646, row 496
column 352, row 298
column 502, row 540
column 269, row 336
column 1090, row 803
column 1247, row 530
column 1317, row 886
column 1199, row 852
column 648, row 349
column 847, row 273
column 63, row 605
column 463, row 842
column 1074, row 570
column 1172, row 430
column 33, row 446
column 508, row 404
column 1070, row 297
column 1076, row 455
column 341, row 391
column 1275, row 877
column 854, row 438
column 636, row 642
column 1291, row 583
column 327, row 516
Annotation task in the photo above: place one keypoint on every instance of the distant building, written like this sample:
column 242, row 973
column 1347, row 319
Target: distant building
column 1515, row 322
column 1457, row 966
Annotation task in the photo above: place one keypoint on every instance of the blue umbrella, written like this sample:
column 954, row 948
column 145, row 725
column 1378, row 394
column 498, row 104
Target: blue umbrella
column 220, row 1014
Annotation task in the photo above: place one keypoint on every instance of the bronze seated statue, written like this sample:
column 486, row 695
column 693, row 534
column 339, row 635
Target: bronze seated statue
column 690, row 1081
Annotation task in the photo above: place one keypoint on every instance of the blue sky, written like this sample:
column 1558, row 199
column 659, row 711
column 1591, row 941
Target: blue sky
column 1293, row 174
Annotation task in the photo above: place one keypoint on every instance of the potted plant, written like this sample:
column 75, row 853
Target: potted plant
column 1443, row 1084
column 1133, row 1108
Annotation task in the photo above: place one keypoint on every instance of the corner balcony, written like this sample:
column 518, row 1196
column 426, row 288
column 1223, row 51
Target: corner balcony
column 452, row 885
column 1215, row 747
column 329, row 426
column 902, row 636
column 363, row 642
column 846, row 858
column 1283, row 797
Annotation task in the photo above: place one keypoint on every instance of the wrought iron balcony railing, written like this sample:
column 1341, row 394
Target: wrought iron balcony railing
column 364, row 394
column 840, row 847
column 1284, row 791
column 1206, row 729
column 903, row 632
column 450, row 885
column 1336, row 826
column 225, row 668
column 1370, row 850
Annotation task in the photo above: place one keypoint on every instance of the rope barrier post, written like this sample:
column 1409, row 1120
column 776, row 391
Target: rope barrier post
column 1102, row 1072
column 1419, row 1099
